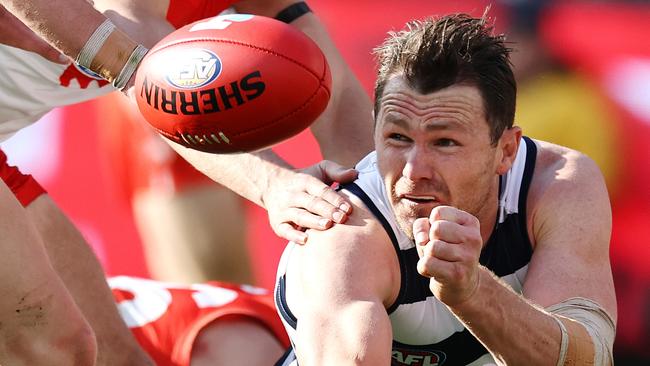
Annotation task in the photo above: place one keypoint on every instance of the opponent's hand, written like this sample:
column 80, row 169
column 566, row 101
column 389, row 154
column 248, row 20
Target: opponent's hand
column 16, row 34
column 304, row 199
column 449, row 245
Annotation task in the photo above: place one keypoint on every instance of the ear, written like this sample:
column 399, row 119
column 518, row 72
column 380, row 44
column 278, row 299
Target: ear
column 507, row 149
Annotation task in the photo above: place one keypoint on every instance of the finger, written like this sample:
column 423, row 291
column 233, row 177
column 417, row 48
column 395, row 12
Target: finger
column 421, row 228
column 333, row 172
column 306, row 219
column 289, row 232
column 453, row 214
column 444, row 251
column 48, row 52
column 449, row 231
column 326, row 202
column 433, row 267
column 16, row 34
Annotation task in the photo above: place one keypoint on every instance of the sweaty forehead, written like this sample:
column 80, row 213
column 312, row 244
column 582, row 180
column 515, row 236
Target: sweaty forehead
column 457, row 102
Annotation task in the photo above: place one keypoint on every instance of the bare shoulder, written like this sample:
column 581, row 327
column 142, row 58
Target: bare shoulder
column 351, row 260
column 566, row 182
column 569, row 222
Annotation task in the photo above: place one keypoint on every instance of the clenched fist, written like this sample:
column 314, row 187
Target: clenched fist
column 449, row 245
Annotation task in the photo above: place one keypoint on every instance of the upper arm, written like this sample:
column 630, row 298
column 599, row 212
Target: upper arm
column 571, row 228
column 338, row 286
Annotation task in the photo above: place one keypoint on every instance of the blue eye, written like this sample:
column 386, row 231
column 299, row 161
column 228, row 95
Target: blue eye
column 398, row 137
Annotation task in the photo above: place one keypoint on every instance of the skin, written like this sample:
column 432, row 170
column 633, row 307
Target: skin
column 440, row 163
column 41, row 324
column 294, row 198
column 72, row 258
column 342, row 123
column 431, row 152
column 14, row 33
column 230, row 341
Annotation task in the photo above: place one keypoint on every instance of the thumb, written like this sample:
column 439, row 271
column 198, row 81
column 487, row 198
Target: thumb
column 333, row 172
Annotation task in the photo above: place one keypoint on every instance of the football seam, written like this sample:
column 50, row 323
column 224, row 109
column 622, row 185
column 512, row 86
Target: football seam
column 320, row 78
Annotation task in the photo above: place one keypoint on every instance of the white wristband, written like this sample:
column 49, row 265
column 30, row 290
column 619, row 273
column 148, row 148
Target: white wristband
column 95, row 43
column 129, row 67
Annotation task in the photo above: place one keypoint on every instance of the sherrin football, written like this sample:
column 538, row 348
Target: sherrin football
column 233, row 83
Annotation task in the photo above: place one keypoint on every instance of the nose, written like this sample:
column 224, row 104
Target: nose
column 417, row 166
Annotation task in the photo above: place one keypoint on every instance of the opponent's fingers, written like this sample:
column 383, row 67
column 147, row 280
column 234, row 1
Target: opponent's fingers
column 421, row 228
column 306, row 219
column 326, row 202
column 16, row 34
column 453, row 214
column 289, row 232
column 48, row 52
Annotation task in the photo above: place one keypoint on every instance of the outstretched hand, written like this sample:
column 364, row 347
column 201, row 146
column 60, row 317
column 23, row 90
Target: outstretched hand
column 16, row 34
column 304, row 199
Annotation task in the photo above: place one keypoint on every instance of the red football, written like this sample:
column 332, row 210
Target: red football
column 233, row 83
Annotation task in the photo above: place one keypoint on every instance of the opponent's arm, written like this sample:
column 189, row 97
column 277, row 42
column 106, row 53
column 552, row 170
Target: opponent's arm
column 15, row 34
column 347, row 121
column 68, row 26
column 73, row 260
column 571, row 229
column 291, row 198
column 339, row 289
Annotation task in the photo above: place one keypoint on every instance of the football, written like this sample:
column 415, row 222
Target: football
column 233, row 83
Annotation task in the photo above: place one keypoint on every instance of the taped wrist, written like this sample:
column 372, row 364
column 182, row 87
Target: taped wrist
column 293, row 12
column 111, row 54
column 588, row 332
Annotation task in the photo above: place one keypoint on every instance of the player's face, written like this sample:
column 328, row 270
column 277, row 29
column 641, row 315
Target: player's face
column 434, row 149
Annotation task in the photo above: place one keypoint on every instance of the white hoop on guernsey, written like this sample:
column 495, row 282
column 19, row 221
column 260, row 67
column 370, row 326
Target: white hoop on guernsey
column 95, row 43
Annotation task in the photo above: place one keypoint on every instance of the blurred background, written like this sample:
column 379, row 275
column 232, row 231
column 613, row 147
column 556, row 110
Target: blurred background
column 583, row 69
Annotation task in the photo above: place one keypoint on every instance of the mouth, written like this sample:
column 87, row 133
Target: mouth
column 418, row 199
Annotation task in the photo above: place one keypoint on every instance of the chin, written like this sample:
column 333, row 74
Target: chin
column 405, row 219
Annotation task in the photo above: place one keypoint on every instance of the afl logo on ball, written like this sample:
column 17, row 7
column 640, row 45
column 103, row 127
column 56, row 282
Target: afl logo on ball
column 193, row 69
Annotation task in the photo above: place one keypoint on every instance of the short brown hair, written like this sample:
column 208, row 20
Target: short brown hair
column 439, row 52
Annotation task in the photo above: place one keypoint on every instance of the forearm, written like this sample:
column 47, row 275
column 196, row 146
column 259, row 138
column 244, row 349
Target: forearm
column 246, row 174
column 514, row 331
column 347, row 121
column 65, row 24
column 79, row 269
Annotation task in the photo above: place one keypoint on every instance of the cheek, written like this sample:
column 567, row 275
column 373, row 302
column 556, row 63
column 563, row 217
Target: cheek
column 463, row 174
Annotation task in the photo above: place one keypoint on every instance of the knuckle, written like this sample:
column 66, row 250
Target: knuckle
column 436, row 228
column 323, row 191
column 423, row 268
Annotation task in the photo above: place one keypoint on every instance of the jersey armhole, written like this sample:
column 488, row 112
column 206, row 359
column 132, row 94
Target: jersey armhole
column 357, row 191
